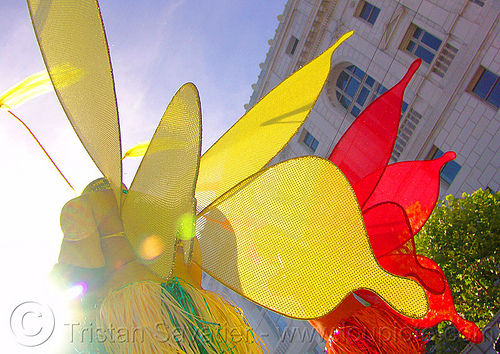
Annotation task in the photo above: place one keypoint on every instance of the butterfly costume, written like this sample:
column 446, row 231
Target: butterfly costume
column 298, row 237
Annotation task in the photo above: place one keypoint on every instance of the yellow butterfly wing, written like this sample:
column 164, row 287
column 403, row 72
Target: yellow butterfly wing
column 292, row 239
column 263, row 131
column 160, row 203
column 71, row 35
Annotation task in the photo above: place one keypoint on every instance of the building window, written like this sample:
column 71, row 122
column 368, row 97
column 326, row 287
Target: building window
column 309, row 140
column 450, row 170
column 278, row 321
column 421, row 43
column 367, row 12
column 354, row 90
column 486, row 86
column 292, row 45
column 478, row 2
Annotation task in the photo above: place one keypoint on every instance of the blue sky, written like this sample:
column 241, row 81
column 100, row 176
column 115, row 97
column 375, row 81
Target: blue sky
column 156, row 46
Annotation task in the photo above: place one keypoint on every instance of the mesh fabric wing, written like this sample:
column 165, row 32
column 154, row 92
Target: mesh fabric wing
column 292, row 239
column 263, row 131
column 396, row 201
column 160, row 198
column 366, row 146
column 71, row 34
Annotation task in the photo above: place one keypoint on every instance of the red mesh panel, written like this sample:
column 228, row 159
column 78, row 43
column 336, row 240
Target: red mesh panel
column 414, row 185
column 396, row 201
column 441, row 308
column 366, row 146
column 392, row 242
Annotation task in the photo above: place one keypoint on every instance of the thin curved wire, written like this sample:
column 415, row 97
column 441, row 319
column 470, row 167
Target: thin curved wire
column 43, row 149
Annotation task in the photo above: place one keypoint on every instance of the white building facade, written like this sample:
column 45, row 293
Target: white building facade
column 452, row 103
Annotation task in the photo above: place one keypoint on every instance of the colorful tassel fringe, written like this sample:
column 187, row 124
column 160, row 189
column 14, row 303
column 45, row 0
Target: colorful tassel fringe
column 173, row 317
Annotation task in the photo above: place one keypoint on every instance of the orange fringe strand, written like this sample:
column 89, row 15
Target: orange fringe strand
column 374, row 330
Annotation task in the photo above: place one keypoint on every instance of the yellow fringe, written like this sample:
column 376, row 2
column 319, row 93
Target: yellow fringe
column 143, row 317
column 38, row 84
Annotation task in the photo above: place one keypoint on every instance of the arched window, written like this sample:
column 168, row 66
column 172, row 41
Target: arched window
column 354, row 89
column 350, row 87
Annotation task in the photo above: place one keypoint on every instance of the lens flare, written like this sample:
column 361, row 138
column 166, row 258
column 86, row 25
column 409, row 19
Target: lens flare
column 77, row 290
column 151, row 247
column 186, row 226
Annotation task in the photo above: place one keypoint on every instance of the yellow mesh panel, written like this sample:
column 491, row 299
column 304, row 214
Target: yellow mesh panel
column 292, row 239
column 70, row 34
column 161, row 195
column 263, row 131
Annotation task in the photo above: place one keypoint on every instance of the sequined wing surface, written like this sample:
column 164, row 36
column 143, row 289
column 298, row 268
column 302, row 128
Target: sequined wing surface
column 71, row 37
column 292, row 239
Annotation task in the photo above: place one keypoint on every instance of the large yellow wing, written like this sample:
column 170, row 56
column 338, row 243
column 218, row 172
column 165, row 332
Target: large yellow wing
column 263, row 131
column 70, row 34
column 292, row 239
column 160, row 200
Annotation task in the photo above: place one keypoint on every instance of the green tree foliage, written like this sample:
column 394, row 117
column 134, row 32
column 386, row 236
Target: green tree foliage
column 463, row 237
